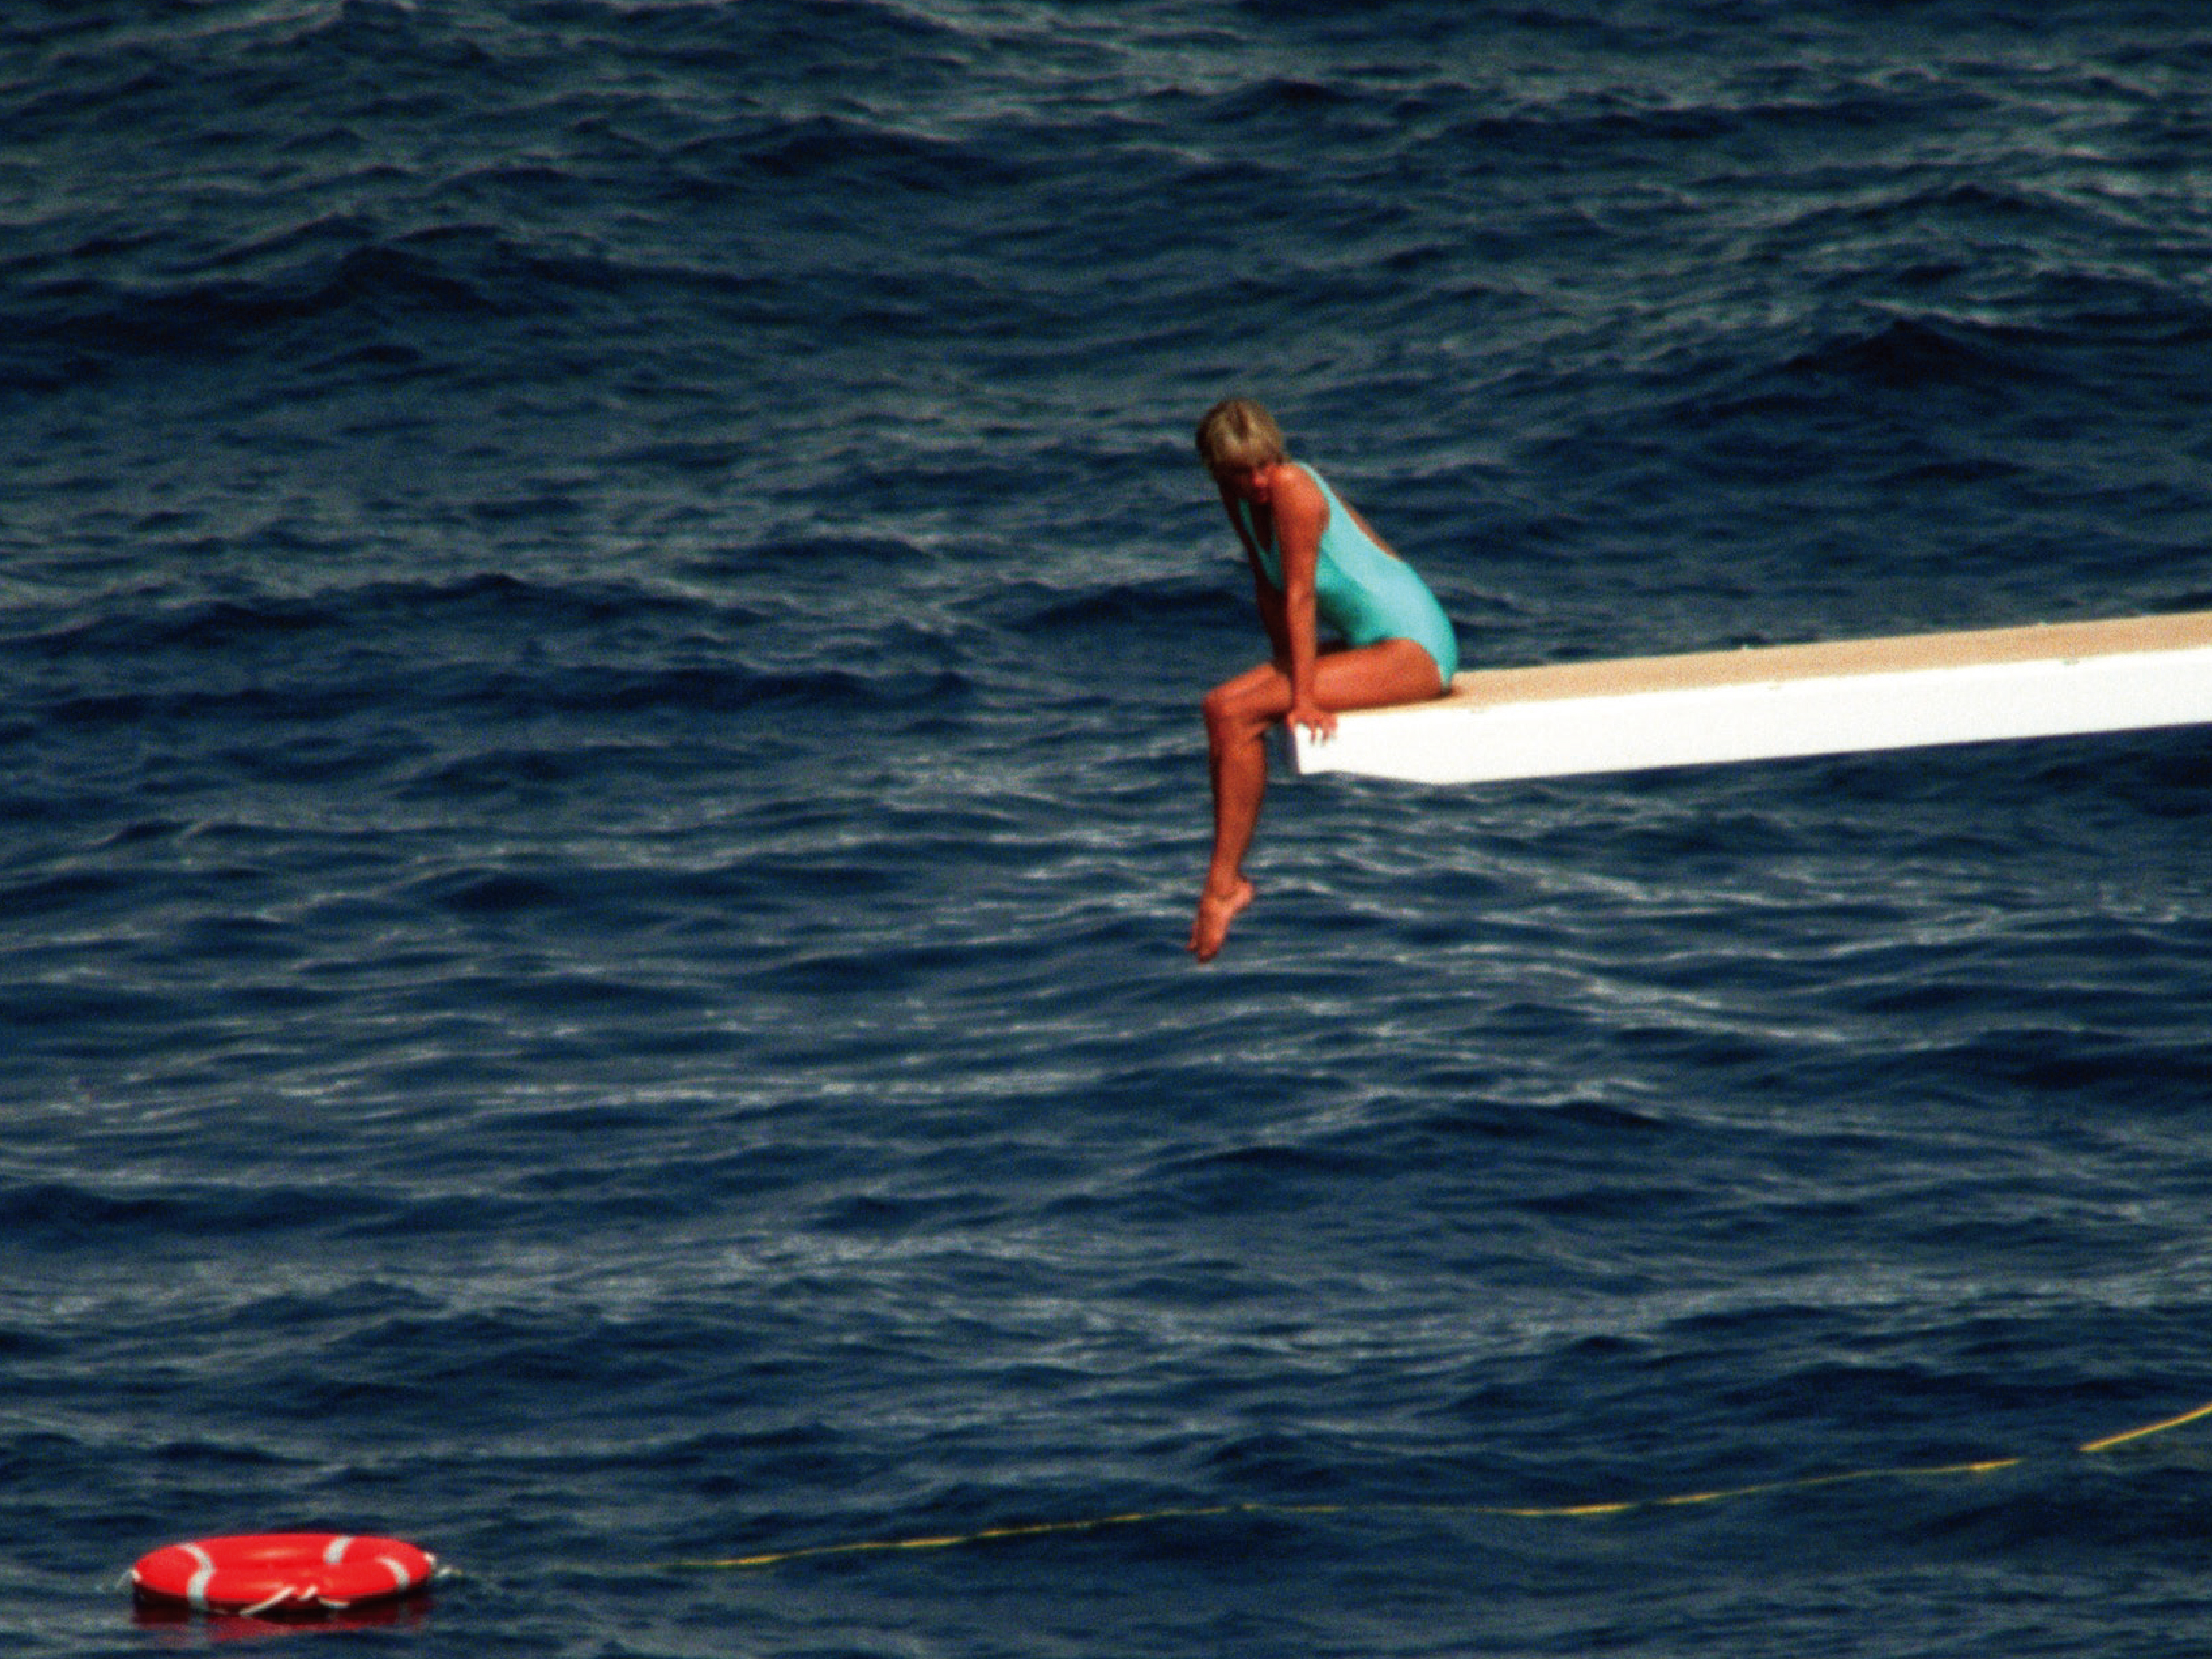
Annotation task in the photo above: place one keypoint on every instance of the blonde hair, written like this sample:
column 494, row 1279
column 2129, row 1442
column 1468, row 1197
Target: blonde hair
column 1238, row 433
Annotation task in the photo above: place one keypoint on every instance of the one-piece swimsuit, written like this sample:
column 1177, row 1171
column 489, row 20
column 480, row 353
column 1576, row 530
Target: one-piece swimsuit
column 1365, row 594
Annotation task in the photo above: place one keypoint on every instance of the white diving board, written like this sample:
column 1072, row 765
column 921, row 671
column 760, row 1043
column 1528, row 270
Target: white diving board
column 1777, row 702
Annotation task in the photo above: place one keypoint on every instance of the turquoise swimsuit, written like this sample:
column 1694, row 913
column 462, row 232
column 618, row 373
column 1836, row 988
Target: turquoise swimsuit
column 1364, row 593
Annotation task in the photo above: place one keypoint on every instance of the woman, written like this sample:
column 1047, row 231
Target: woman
column 1314, row 561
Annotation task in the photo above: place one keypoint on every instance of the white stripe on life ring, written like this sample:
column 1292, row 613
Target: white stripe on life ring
column 335, row 1551
column 196, row 1589
column 401, row 1579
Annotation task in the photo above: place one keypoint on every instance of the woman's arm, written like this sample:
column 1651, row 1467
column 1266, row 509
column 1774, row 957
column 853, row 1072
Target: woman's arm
column 1301, row 514
column 1270, row 606
column 1265, row 599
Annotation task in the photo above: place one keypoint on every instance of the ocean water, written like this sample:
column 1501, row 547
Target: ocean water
column 602, row 604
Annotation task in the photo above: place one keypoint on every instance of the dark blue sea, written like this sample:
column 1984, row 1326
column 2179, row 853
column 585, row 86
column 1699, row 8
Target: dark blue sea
column 602, row 609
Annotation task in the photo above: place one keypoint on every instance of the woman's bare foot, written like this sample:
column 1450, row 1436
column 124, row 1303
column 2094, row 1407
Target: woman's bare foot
column 1215, row 912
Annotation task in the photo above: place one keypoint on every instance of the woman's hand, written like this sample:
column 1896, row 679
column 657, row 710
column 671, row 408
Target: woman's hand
column 1311, row 715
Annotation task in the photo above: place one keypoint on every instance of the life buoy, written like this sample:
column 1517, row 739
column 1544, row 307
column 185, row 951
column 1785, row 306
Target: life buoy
column 282, row 1572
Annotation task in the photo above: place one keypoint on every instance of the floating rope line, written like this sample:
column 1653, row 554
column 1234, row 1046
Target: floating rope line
column 1518, row 1511
column 2147, row 1430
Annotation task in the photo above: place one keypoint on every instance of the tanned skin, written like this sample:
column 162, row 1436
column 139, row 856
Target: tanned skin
column 1303, row 683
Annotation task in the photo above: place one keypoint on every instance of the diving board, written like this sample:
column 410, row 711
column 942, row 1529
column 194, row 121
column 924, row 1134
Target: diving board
column 1775, row 702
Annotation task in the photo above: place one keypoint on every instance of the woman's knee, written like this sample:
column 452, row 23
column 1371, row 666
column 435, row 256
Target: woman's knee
column 1232, row 709
column 1220, row 723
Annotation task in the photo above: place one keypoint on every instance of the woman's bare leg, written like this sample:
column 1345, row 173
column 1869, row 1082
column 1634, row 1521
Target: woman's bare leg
column 1238, row 713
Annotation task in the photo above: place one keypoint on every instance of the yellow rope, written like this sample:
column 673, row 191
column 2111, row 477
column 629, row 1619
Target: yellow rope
column 1034, row 1529
column 2147, row 1430
column 1624, row 1506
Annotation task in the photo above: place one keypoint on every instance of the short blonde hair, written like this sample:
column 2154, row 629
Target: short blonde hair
column 1238, row 433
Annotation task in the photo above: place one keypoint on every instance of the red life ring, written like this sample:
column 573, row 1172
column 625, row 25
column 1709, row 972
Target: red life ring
column 282, row 1572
